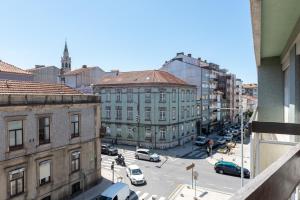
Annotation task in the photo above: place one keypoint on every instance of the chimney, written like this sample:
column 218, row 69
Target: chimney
column 115, row 71
column 180, row 53
column 84, row 66
column 189, row 55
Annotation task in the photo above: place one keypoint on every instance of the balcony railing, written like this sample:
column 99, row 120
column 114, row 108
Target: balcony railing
column 280, row 179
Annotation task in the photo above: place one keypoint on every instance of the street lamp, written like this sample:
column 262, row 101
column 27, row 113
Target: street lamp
column 242, row 139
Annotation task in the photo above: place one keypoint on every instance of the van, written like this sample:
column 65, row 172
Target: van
column 117, row 191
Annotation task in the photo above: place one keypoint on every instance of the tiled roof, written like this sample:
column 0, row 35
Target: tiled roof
column 5, row 67
column 80, row 70
column 142, row 77
column 28, row 87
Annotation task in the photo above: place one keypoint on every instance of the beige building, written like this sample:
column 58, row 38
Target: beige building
column 49, row 141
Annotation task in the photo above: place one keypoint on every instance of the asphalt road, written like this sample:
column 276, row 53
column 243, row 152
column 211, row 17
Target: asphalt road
column 163, row 177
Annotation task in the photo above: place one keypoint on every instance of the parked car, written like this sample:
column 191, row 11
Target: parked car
column 109, row 149
column 222, row 133
column 230, row 168
column 118, row 190
column 228, row 137
column 201, row 140
column 146, row 154
column 223, row 150
column 221, row 141
column 236, row 132
column 135, row 174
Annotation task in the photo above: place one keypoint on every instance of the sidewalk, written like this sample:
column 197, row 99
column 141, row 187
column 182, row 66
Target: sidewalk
column 104, row 183
column 185, row 191
column 234, row 156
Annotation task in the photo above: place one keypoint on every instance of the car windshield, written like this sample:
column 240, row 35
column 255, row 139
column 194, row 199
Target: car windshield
column 105, row 198
column 136, row 172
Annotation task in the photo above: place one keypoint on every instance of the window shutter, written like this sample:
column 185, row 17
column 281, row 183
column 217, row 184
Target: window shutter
column 44, row 171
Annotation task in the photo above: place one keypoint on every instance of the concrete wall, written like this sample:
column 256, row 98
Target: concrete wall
column 58, row 151
column 49, row 74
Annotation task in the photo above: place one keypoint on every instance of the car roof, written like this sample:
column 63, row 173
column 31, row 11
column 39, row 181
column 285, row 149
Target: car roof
column 113, row 189
column 133, row 167
column 142, row 150
column 226, row 163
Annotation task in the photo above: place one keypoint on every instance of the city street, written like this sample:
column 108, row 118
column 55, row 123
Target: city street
column 165, row 176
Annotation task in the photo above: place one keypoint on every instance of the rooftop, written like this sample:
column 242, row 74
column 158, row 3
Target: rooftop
column 250, row 85
column 81, row 70
column 9, row 68
column 28, row 87
column 142, row 77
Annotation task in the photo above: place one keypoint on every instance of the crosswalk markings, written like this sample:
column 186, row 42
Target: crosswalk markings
column 144, row 196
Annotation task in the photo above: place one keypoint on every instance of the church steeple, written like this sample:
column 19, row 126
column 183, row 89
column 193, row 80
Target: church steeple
column 66, row 60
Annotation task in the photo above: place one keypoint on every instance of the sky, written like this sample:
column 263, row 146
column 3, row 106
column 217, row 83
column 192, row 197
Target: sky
column 128, row 34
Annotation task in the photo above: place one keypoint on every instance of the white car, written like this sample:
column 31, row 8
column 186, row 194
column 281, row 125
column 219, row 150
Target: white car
column 135, row 174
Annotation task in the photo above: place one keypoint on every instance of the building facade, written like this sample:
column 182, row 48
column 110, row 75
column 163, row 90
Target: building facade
column 11, row 72
column 83, row 78
column 250, row 89
column 152, row 109
column 49, row 146
column 45, row 74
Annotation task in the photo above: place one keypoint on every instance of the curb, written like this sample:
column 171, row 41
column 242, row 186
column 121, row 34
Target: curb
column 176, row 191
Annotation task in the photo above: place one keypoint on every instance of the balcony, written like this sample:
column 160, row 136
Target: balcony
column 280, row 179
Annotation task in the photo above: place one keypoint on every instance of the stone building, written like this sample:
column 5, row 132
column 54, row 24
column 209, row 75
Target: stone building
column 83, row 78
column 45, row 74
column 49, row 141
column 147, row 108
column 11, row 72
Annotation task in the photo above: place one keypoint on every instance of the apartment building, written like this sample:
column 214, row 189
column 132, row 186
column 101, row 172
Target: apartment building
column 250, row 89
column 148, row 108
column 215, row 89
column 49, row 141
column 275, row 126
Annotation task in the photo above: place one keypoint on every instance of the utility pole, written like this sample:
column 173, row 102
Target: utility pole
column 242, row 146
column 138, row 117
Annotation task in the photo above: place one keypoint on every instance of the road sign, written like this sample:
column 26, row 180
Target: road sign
column 190, row 166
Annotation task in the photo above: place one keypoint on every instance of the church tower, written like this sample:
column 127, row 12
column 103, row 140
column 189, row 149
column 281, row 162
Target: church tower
column 66, row 60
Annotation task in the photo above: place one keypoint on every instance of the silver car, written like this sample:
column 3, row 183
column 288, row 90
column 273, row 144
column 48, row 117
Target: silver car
column 146, row 154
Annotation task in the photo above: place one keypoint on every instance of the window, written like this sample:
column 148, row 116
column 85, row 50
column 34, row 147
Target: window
column 198, row 110
column 129, row 113
column 148, row 114
column 188, row 95
column 193, row 95
column 46, row 198
column 162, row 96
column 174, row 95
column 15, row 131
column 118, row 95
column 45, row 172
column 148, row 132
column 162, row 113
column 182, row 112
column 16, row 182
column 75, row 188
column 182, row 95
column 129, row 95
column 107, row 112
column 187, row 111
column 44, row 130
column 75, row 161
column 162, row 132
column 130, row 131
column 193, row 111
column 148, row 96
column 174, row 113
column 174, row 132
column 119, row 112
column 107, row 96
column 75, row 125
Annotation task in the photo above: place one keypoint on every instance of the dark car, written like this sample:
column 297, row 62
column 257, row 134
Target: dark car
column 230, row 168
column 109, row 149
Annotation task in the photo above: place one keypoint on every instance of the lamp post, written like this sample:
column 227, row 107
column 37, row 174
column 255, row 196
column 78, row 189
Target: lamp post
column 242, row 139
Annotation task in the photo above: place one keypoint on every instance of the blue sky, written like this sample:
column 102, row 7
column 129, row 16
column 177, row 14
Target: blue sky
column 128, row 34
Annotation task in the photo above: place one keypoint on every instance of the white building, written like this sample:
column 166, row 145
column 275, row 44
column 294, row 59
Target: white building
column 45, row 74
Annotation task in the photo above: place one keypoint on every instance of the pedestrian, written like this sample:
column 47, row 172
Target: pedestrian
column 207, row 150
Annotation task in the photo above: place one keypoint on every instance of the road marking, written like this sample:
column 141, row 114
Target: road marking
column 210, row 184
column 162, row 198
column 228, row 188
column 137, row 192
column 143, row 196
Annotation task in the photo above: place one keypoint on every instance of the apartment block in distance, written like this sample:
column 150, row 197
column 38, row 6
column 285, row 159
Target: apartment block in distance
column 49, row 141
column 147, row 108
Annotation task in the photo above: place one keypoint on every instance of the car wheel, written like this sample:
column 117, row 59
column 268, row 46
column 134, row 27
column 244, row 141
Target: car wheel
column 221, row 171
column 109, row 153
column 151, row 159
